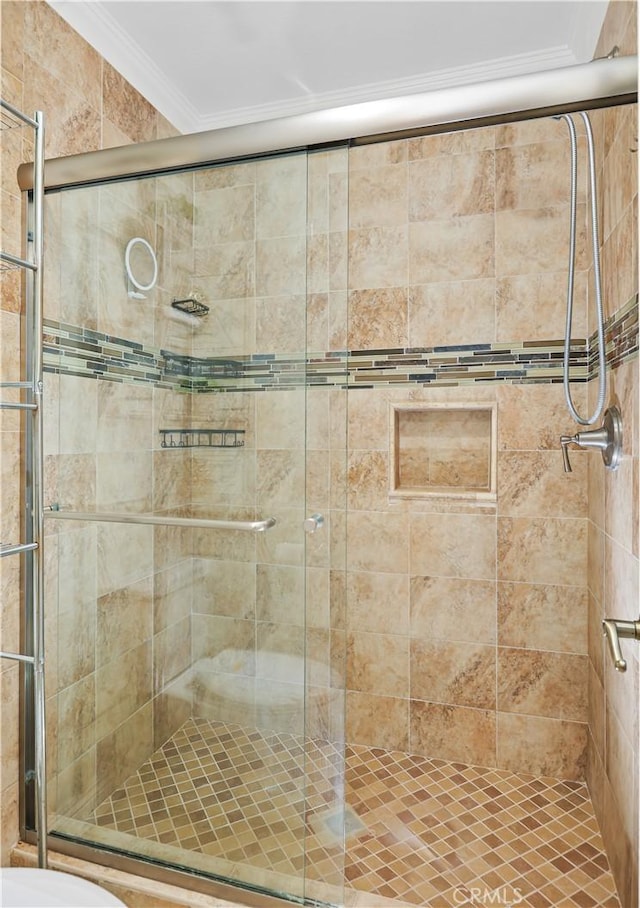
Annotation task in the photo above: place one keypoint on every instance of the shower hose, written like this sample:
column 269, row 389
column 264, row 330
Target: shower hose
column 602, row 379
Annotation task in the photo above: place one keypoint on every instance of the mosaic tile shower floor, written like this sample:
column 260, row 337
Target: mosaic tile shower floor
column 418, row 831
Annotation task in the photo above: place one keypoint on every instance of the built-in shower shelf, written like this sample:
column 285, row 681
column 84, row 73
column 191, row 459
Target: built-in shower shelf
column 202, row 438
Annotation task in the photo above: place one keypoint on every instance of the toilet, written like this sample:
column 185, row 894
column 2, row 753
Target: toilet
column 28, row 887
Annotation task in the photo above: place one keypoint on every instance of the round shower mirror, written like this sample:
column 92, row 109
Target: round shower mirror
column 141, row 263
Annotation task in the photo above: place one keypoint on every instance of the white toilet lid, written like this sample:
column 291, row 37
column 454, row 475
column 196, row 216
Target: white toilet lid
column 28, row 887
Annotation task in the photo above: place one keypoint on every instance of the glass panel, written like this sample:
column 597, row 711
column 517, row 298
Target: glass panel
column 196, row 697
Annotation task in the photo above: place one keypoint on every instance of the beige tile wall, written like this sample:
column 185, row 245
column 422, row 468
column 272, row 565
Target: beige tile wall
column 97, row 591
column 613, row 754
column 452, row 607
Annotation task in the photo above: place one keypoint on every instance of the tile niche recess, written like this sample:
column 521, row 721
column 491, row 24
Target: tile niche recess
column 443, row 451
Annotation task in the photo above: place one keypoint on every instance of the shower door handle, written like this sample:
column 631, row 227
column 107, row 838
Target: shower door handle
column 313, row 523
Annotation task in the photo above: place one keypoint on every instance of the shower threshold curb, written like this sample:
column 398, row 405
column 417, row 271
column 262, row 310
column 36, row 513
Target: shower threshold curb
column 121, row 884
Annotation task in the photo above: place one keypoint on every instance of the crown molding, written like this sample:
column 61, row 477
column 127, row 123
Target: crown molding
column 522, row 64
column 104, row 33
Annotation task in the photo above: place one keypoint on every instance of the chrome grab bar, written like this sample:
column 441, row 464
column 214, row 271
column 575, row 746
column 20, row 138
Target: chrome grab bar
column 251, row 526
column 613, row 629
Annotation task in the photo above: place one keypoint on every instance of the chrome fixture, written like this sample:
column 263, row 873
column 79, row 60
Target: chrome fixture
column 313, row 523
column 608, row 439
column 31, row 547
column 613, row 629
column 593, row 194
column 248, row 526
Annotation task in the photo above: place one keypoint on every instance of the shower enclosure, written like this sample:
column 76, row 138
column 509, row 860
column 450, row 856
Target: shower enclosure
column 322, row 608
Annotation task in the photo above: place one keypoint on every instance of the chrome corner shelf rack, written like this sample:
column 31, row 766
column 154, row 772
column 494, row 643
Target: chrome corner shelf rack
column 26, row 395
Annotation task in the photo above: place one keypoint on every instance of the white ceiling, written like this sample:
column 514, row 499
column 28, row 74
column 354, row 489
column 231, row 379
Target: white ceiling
column 211, row 63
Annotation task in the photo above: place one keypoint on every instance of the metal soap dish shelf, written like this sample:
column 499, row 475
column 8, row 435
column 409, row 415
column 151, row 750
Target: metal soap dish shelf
column 202, row 438
column 191, row 306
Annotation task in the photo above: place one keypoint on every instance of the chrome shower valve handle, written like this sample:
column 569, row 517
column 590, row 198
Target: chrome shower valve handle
column 607, row 439
column 565, row 441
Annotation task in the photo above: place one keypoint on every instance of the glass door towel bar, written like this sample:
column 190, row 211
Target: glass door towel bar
column 250, row 526
column 202, row 438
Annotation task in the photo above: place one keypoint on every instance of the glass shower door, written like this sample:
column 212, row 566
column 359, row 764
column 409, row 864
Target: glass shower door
column 195, row 694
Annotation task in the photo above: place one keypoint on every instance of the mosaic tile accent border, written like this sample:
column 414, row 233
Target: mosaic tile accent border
column 621, row 338
column 539, row 361
column 71, row 350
